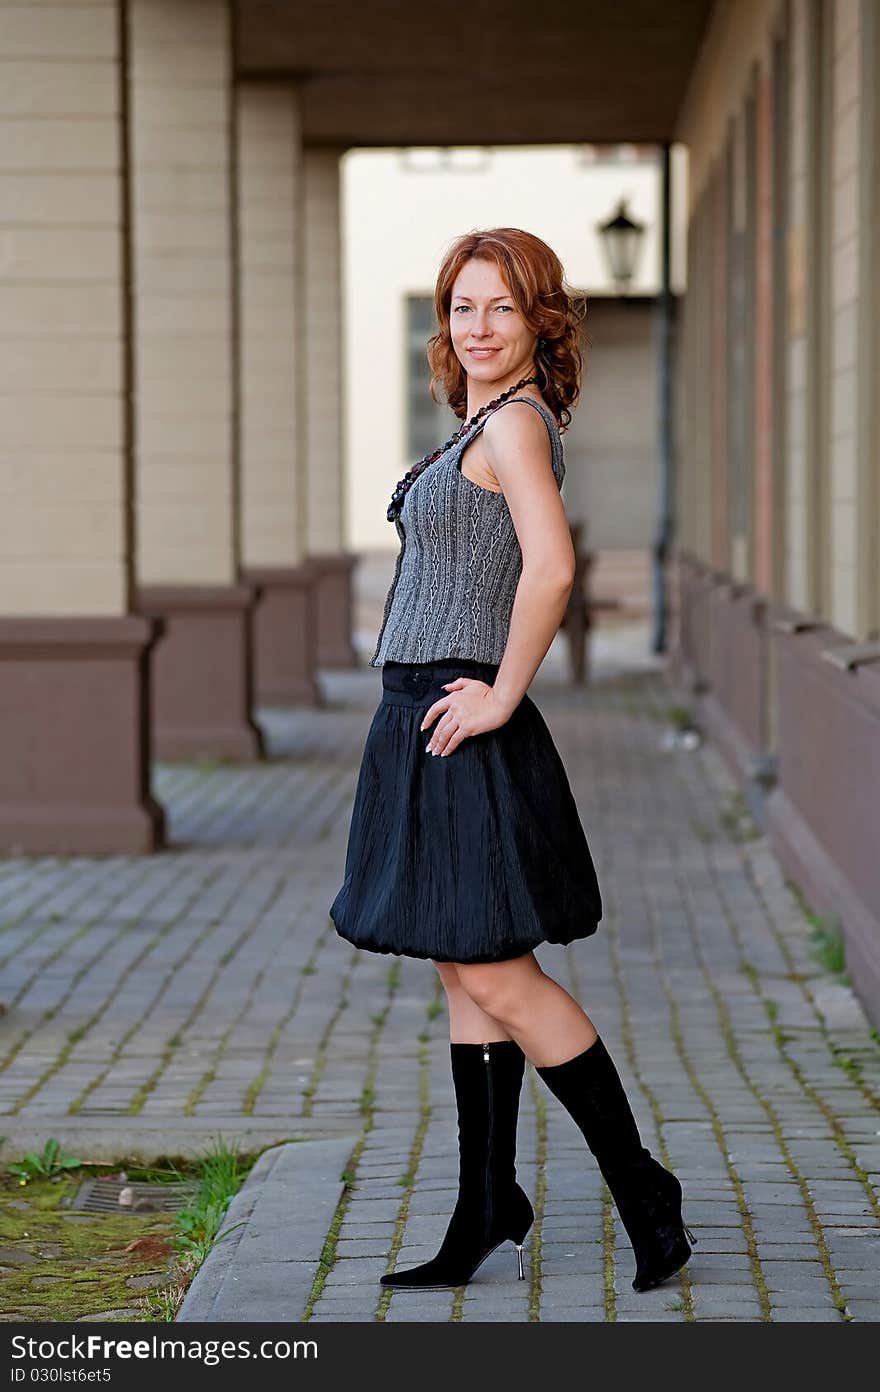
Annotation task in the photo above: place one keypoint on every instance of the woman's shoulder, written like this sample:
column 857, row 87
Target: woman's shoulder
column 535, row 400
column 522, row 424
column 521, row 415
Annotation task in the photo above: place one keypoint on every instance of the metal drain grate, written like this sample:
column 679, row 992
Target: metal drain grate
column 102, row 1196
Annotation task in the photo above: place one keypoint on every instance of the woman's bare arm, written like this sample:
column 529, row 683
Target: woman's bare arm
column 517, row 447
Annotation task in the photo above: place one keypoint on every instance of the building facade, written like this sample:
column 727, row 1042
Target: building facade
column 778, row 555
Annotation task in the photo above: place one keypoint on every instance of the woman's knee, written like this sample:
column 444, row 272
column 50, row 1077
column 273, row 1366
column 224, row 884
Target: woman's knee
column 495, row 988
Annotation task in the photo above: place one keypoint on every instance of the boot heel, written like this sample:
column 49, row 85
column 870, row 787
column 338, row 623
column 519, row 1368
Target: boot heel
column 690, row 1235
column 521, row 1275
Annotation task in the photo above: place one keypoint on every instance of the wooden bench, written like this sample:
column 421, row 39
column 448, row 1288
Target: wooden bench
column 577, row 621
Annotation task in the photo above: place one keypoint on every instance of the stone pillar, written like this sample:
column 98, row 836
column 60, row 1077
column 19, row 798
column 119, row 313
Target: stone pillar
column 185, row 377
column 74, row 693
column 718, row 365
column 869, row 338
column 272, row 476
column 740, row 325
column 806, row 319
column 763, row 385
column 852, row 253
column 322, row 383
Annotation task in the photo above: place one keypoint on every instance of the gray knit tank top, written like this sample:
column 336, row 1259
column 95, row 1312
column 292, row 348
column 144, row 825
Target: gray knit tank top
column 459, row 562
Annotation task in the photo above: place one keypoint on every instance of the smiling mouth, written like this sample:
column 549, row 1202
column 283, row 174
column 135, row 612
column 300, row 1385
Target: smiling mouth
column 480, row 351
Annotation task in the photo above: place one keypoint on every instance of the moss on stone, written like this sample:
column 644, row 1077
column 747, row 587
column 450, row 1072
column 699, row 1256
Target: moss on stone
column 91, row 1274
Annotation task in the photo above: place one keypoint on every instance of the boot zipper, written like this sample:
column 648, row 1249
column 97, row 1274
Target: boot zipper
column 490, row 1143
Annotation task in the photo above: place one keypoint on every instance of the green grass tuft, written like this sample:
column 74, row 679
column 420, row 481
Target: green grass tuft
column 682, row 717
column 197, row 1226
column 827, row 945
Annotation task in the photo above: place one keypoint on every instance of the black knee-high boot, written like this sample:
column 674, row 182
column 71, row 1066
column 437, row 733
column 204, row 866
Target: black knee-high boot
column 491, row 1207
column 648, row 1197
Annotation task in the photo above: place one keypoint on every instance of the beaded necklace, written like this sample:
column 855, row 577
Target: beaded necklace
column 409, row 478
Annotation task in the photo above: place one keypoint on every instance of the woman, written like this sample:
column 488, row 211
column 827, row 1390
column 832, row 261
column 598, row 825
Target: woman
column 465, row 845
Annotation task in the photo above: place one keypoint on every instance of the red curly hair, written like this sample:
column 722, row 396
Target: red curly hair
column 534, row 276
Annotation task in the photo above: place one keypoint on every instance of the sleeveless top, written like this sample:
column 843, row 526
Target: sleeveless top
column 459, row 562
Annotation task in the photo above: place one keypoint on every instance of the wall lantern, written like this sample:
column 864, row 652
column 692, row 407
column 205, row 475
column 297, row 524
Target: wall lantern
column 621, row 241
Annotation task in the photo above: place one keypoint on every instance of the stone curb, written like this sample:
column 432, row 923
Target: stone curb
column 277, row 1223
column 147, row 1140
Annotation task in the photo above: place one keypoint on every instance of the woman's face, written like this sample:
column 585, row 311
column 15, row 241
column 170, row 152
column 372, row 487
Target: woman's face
column 490, row 339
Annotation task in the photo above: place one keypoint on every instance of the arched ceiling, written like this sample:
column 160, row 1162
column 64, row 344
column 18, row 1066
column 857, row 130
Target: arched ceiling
column 380, row 72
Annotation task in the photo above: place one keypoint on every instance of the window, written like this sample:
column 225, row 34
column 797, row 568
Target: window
column 437, row 159
column 606, row 154
column 428, row 424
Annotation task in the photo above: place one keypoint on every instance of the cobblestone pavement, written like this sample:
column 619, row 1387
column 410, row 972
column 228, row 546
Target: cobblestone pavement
column 155, row 1002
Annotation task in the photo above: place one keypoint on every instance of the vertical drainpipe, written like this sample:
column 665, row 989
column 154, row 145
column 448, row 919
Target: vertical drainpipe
column 663, row 338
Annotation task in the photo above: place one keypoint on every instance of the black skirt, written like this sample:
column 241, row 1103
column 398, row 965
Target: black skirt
column 477, row 856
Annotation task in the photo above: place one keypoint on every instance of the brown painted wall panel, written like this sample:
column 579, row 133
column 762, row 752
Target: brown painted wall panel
column 829, row 757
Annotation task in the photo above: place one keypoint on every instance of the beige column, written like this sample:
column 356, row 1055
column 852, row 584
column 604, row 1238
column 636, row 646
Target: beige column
column 701, row 447
column 322, row 384
column 181, row 99
column 845, row 561
column 739, row 329
column 853, row 470
column 807, row 314
column 272, row 483
column 764, row 522
column 686, row 399
column 718, row 345
column 869, row 338
column 73, row 697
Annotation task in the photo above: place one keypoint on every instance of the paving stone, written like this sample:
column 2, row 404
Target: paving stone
column 359, row 1247
column 17, row 1256
column 580, row 1314
column 864, row 1309
column 725, row 1305
column 336, row 1319
column 372, row 1232
column 793, row 1275
column 358, row 1271
column 644, row 1317
column 126, row 1312
column 808, row 1316
column 149, row 1282
column 792, row 1251
column 401, row 1315
column 816, row 1298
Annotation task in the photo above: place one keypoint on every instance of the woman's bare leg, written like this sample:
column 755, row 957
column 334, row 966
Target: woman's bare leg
column 546, row 1022
column 468, row 1024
